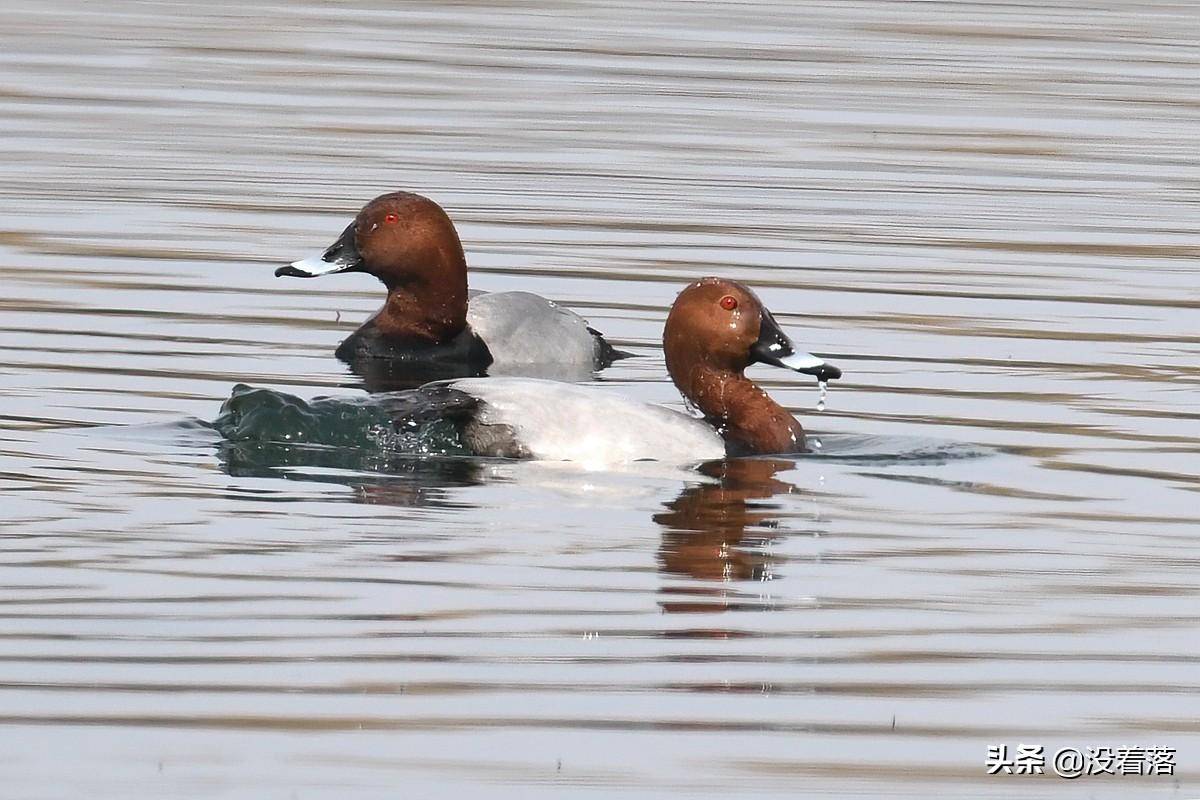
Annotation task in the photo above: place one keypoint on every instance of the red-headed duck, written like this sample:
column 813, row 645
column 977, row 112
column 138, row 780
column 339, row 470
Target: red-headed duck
column 716, row 328
column 409, row 243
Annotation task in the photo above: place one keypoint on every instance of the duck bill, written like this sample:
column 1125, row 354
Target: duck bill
column 341, row 256
column 775, row 348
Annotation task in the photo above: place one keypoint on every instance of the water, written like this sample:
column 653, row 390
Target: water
column 984, row 214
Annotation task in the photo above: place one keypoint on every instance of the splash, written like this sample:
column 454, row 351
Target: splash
column 401, row 422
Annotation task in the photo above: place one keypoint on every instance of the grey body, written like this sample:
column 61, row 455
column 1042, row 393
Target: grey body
column 521, row 329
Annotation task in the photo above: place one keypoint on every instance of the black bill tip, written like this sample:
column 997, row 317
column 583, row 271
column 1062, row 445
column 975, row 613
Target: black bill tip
column 827, row 372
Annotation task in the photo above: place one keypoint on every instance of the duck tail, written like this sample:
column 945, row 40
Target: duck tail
column 606, row 354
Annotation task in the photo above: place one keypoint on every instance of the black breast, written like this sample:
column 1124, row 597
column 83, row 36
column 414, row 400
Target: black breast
column 387, row 364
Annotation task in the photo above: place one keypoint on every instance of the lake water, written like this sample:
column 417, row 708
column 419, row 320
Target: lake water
column 986, row 214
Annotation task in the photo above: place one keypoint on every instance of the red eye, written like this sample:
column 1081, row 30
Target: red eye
column 729, row 302
column 392, row 219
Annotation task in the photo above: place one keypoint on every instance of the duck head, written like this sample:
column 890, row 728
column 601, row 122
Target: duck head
column 409, row 243
column 717, row 328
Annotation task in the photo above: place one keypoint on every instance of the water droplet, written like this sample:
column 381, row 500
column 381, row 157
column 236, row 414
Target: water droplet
column 824, row 394
column 817, row 443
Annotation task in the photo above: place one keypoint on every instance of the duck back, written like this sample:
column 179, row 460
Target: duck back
column 523, row 328
column 548, row 420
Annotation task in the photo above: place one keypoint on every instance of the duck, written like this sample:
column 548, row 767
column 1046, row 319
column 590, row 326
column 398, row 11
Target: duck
column 430, row 325
column 716, row 328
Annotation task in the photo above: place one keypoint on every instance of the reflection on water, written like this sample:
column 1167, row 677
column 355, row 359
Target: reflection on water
column 985, row 213
column 383, row 375
column 720, row 531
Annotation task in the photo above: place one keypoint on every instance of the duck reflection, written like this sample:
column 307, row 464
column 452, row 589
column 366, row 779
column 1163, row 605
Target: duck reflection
column 392, row 480
column 379, row 375
column 716, row 532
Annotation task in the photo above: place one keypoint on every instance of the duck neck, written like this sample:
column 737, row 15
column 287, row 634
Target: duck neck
column 425, row 310
column 747, row 418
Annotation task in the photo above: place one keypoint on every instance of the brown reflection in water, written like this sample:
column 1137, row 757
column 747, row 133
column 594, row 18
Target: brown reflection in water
column 707, row 528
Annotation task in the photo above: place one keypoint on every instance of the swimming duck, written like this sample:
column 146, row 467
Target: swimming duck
column 429, row 325
column 715, row 329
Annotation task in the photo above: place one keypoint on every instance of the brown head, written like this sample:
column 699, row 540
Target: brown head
column 409, row 243
column 715, row 330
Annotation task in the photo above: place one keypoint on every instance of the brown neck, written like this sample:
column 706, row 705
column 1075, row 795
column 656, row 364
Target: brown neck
column 425, row 311
column 748, row 419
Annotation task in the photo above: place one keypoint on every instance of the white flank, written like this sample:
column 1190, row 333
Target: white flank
column 596, row 429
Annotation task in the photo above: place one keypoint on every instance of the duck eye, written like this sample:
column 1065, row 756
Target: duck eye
column 392, row 219
column 729, row 302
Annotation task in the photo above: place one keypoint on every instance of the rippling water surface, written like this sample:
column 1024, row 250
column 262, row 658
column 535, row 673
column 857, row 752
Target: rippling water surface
column 986, row 214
